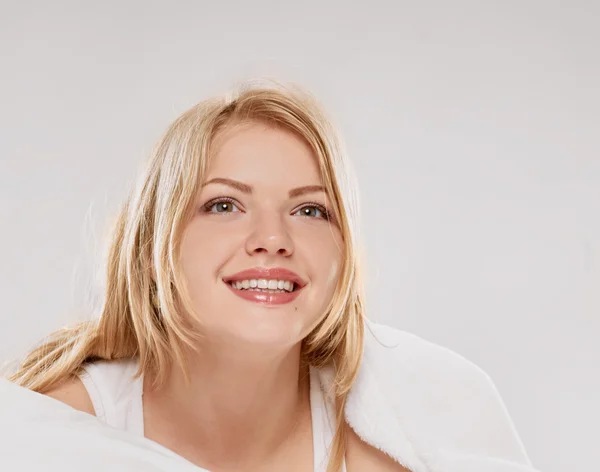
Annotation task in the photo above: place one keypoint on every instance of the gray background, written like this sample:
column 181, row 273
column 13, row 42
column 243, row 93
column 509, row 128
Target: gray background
column 474, row 127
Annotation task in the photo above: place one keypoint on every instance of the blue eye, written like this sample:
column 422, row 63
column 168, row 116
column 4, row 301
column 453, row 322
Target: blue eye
column 221, row 206
column 314, row 210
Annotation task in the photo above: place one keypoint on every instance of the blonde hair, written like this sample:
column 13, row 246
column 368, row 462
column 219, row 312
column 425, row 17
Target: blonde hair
column 144, row 300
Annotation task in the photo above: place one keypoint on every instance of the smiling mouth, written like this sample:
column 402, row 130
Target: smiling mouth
column 264, row 285
column 268, row 292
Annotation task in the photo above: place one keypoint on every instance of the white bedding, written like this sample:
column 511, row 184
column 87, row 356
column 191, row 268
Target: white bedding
column 425, row 406
column 38, row 433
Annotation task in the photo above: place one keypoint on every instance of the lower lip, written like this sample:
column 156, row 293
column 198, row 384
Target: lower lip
column 265, row 298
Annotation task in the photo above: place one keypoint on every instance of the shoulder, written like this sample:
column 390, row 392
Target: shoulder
column 362, row 456
column 73, row 393
column 98, row 380
column 435, row 394
column 409, row 355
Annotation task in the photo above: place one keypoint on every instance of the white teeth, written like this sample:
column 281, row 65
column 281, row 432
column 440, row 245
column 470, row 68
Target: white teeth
column 264, row 284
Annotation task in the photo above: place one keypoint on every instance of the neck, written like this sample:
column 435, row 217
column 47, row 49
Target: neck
column 239, row 407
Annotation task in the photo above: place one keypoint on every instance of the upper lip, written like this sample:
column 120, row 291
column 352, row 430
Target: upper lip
column 274, row 273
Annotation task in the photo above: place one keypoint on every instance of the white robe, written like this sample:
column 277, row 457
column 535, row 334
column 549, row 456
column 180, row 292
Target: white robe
column 427, row 407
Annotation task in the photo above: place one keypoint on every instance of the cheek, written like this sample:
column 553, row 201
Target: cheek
column 203, row 253
column 326, row 269
column 332, row 275
column 327, row 261
column 334, row 272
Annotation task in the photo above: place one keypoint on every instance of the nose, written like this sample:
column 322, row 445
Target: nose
column 270, row 236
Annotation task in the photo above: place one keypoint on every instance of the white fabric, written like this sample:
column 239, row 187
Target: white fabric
column 425, row 406
column 117, row 400
column 115, row 394
column 430, row 409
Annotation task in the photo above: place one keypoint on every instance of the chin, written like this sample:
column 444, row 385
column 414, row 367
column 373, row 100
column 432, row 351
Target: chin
column 274, row 330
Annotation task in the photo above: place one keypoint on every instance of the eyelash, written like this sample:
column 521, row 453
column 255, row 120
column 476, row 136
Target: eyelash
column 321, row 208
column 207, row 206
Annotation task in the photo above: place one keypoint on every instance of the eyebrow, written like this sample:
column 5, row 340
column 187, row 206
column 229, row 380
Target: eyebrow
column 247, row 189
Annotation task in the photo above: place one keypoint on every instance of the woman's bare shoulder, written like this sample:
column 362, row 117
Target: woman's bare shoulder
column 361, row 456
column 72, row 392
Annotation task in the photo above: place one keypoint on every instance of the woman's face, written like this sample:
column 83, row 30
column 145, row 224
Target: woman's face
column 260, row 257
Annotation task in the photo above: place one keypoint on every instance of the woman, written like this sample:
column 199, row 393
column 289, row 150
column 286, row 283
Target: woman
column 233, row 329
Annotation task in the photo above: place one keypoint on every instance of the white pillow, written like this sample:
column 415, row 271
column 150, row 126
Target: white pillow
column 40, row 433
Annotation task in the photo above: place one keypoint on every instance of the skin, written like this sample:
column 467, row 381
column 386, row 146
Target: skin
column 254, row 414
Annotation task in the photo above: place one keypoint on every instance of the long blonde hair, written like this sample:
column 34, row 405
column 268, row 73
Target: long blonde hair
column 142, row 315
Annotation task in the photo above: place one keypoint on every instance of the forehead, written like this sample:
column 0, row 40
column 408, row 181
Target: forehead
column 257, row 153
